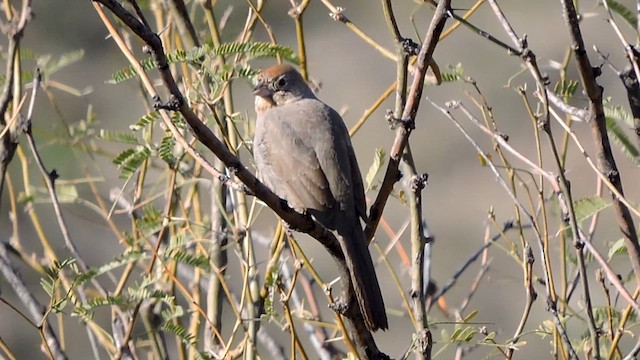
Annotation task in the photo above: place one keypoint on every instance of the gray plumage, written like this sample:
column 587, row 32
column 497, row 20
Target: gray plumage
column 304, row 154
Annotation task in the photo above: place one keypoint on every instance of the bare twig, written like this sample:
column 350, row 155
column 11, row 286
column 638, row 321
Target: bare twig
column 472, row 258
column 550, row 301
column 9, row 142
column 29, row 301
column 392, row 173
column 415, row 185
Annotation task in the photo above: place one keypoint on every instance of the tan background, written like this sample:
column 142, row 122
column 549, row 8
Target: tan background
column 460, row 191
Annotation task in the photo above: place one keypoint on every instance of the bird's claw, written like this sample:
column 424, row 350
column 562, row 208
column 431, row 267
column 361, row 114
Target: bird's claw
column 172, row 105
column 394, row 122
column 340, row 306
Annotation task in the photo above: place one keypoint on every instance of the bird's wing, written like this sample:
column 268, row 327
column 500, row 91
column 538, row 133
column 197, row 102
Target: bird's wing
column 303, row 152
column 287, row 162
column 356, row 182
column 341, row 167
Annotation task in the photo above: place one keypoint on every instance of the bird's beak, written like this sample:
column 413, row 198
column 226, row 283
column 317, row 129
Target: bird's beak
column 262, row 90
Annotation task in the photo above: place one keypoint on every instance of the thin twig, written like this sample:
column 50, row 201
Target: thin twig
column 470, row 260
column 415, row 185
column 10, row 142
column 31, row 303
column 552, row 306
column 392, row 173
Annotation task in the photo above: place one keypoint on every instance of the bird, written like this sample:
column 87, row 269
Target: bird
column 303, row 153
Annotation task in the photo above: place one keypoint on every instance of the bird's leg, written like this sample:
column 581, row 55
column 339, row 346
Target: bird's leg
column 173, row 104
column 340, row 306
column 394, row 122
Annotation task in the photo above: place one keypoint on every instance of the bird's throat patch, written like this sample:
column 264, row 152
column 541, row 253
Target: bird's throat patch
column 264, row 103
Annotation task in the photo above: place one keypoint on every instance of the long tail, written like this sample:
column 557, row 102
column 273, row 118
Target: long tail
column 363, row 275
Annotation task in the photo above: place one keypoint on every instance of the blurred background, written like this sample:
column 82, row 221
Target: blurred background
column 460, row 194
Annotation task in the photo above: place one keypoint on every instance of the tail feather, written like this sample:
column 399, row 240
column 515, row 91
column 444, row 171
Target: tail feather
column 363, row 275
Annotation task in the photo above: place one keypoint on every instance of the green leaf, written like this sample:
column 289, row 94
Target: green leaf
column 614, row 116
column 143, row 293
column 118, row 261
column 123, row 156
column 130, row 72
column 67, row 193
column 165, row 150
column 200, row 261
column 106, row 301
column 470, row 317
column 63, row 61
column 251, row 50
column 619, row 114
column 374, row 169
column 463, row 334
column 151, row 219
column 50, row 282
column 489, row 337
column 453, row 73
column 118, row 136
column 148, row 119
column 254, row 50
column 617, row 248
column 130, row 160
column 589, row 206
column 566, row 87
column 25, row 76
column 628, row 15
column 172, row 312
column 181, row 332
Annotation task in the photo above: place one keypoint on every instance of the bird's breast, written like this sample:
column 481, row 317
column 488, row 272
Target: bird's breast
column 263, row 104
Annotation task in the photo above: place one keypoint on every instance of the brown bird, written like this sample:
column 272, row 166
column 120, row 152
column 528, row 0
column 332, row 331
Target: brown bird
column 303, row 153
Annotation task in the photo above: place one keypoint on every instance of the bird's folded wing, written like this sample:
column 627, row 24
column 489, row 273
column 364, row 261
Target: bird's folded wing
column 290, row 167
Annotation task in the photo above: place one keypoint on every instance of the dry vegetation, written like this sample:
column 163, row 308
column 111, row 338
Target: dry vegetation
column 204, row 270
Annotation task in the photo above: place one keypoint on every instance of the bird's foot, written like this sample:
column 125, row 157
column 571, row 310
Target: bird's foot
column 340, row 306
column 173, row 104
column 394, row 122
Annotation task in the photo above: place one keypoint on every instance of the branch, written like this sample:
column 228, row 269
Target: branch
column 606, row 162
column 392, row 174
column 29, row 301
column 9, row 142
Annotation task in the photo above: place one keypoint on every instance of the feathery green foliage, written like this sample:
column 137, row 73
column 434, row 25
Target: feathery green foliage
column 566, row 88
column 614, row 117
column 627, row 14
column 252, row 50
column 130, row 160
column 453, row 73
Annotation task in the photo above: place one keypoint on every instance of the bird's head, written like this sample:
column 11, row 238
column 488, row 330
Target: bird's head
column 279, row 85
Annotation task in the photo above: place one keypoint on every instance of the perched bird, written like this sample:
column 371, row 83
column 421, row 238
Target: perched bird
column 303, row 153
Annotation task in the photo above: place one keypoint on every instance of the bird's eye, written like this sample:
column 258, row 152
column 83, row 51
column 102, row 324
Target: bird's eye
column 281, row 83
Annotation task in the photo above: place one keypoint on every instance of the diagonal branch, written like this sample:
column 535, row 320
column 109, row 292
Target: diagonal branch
column 35, row 309
column 606, row 162
column 392, row 174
